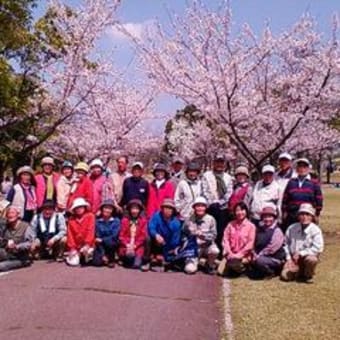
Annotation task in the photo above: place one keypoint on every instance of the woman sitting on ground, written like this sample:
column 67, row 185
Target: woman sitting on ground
column 107, row 231
column 133, row 235
column 80, row 233
column 238, row 242
column 269, row 254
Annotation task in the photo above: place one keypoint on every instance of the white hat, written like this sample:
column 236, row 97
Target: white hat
column 242, row 170
column 138, row 164
column 96, row 162
column 200, row 200
column 47, row 161
column 303, row 160
column 268, row 168
column 79, row 202
column 286, row 155
column 307, row 208
column 73, row 259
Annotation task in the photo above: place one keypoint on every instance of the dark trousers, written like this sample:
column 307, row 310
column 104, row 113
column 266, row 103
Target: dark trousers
column 131, row 261
column 222, row 218
column 266, row 265
column 102, row 250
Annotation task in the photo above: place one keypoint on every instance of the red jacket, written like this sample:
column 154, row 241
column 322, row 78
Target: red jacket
column 82, row 189
column 125, row 236
column 81, row 231
column 157, row 196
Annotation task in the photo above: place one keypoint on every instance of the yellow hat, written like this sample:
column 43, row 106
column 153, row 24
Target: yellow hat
column 82, row 166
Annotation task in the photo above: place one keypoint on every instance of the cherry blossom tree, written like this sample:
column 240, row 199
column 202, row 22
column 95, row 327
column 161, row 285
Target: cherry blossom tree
column 268, row 92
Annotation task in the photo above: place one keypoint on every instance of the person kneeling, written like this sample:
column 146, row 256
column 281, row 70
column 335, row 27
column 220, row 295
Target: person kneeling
column 107, row 231
column 203, row 226
column 269, row 254
column 238, row 242
column 304, row 244
column 165, row 233
column 16, row 238
column 49, row 230
column 80, row 234
column 133, row 235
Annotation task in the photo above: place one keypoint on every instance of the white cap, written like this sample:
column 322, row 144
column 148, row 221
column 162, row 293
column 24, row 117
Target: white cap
column 96, row 162
column 200, row 200
column 307, row 208
column 286, row 155
column 303, row 160
column 79, row 202
column 138, row 164
column 268, row 168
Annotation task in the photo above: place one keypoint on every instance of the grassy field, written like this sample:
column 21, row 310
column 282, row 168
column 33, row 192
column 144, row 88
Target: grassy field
column 277, row 310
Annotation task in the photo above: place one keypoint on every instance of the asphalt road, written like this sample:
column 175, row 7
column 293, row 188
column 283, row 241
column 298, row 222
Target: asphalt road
column 52, row 301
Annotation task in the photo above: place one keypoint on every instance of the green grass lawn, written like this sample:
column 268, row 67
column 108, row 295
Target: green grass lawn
column 277, row 310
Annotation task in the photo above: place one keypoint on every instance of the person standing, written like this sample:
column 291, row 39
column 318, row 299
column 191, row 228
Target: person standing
column 266, row 191
column 242, row 190
column 82, row 186
column 119, row 177
column 303, row 246
column 102, row 188
column 188, row 189
column 177, row 173
column 6, row 186
column 301, row 188
column 23, row 194
column 136, row 187
column 64, row 185
column 217, row 187
column 285, row 172
column 159, row 189
column 46, row 182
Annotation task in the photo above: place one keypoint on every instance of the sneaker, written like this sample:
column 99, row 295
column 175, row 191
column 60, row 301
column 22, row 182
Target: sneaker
column 145, row 267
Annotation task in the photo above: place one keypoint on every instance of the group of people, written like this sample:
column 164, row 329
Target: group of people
column 183, row 219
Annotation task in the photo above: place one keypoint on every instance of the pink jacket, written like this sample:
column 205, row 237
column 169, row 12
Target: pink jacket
column 239, row 239
column 41, row 187
column 157, row 196
column 102, row 190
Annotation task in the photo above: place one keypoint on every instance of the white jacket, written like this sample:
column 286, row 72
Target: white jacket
column 209, row 186
column 186, row 193
column 265, row 194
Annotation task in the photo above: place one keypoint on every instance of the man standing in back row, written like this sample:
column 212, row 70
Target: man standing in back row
column 217, row 187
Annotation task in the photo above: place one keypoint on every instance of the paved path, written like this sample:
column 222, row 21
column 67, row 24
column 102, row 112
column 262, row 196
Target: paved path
column 52, row 301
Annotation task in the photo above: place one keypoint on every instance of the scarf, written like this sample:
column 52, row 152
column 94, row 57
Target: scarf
column 31, row 203
column 159, row 183
column 220, row 184
column 49, row 187
column 52, row 225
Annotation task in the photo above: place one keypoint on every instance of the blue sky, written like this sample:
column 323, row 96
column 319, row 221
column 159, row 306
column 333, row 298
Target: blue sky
column 279, row 13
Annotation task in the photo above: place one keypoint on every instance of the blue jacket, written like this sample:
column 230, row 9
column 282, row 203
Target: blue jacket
column 169, row 230
column 135, row 188
column 108, row 231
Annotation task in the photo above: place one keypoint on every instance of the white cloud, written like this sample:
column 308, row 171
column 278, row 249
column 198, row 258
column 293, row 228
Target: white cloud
column 136, row 29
